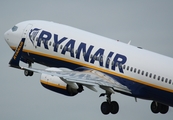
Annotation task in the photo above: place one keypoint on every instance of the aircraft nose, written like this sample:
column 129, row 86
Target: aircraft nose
column 6, row 36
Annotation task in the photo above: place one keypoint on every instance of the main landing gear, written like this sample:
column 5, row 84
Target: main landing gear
column 109, row 106
column 27, row 72
column 158, row 107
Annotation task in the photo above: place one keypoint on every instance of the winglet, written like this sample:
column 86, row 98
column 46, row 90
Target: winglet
column 14, row 62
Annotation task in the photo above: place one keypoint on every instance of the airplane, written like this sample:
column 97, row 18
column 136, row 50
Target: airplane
column 76, row 59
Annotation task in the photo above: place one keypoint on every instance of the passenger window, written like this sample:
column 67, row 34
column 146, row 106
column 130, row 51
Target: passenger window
column 131, row 69
column 112, row 63
column 37, row 39
column 65, row 48
column 170, row 81
column 135, row 70
column 158, row 78
column 142, row 73
column 127, row 67
column 61, row 47
column 46, row 42
column 84, row 53
column 154, row 76
column 146, row 74
column 162, row 79
column 95, row 57
column 116, row 64
column 98, row 58
column 166, row 80
column 101, row 59
column 77, row 52
column 120, row 65
column 124, row 67
column 50, row 43
column 139, row 71
column 150, row 75
column 91, row 56
column 108, row 60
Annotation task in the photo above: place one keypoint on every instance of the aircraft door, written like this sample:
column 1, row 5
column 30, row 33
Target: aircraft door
column 26, row 34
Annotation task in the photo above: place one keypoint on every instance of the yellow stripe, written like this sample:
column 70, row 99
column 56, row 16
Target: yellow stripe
column 53, row 84
column 99, row 69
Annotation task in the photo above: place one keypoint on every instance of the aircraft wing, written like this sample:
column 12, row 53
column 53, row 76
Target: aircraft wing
column 88, row 78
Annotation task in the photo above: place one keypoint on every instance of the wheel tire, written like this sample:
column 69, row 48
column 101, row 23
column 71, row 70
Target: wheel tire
column 105, row 108
column 114, row 107
column 26, row 72
column 31, row 73
column 163, row 108
column 155, row 107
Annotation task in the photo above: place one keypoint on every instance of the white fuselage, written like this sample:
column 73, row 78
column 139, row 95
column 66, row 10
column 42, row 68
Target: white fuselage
column 77, row 47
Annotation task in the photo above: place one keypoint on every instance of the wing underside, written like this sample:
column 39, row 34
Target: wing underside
column 88, row 78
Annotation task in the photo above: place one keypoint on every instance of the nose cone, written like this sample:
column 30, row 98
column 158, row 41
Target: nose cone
column 6, row 35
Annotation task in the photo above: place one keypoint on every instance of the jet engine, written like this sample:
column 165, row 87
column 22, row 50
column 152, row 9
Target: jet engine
column 56, row 84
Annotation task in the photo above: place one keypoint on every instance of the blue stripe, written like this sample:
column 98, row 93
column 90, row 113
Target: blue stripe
column 138, row 90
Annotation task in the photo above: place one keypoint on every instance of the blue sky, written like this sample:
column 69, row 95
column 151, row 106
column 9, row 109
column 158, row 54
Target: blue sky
column 146, row 23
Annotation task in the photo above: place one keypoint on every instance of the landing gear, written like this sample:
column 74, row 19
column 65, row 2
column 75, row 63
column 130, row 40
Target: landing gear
column 114, row 107
column 27, row 72
column 158, row 107
column 109, row 106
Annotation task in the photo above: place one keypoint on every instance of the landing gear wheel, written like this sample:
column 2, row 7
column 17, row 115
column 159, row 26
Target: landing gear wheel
column 105, row 108
column 28, row 73
column 163, row 108
column 155, row 107
column 31, row 73
column 109, row 106
column 158, row 107
column 114, row 107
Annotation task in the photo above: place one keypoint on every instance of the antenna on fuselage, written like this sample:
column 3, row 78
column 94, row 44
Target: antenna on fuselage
column 129, row 42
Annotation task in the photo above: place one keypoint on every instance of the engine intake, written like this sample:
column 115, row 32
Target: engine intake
column 55, row 84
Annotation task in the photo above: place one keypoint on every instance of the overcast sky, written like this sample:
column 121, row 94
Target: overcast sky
column 147, row 23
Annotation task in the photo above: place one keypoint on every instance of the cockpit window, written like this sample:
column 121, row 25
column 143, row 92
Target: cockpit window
column 14, row 28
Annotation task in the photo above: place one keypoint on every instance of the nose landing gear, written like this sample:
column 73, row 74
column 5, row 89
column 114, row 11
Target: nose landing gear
column 27, row 72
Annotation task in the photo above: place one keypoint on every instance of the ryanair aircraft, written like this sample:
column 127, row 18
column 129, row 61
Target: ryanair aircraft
column 78, row 59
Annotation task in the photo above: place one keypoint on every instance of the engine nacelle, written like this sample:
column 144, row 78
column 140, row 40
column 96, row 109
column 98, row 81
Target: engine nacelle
column 55, row 84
